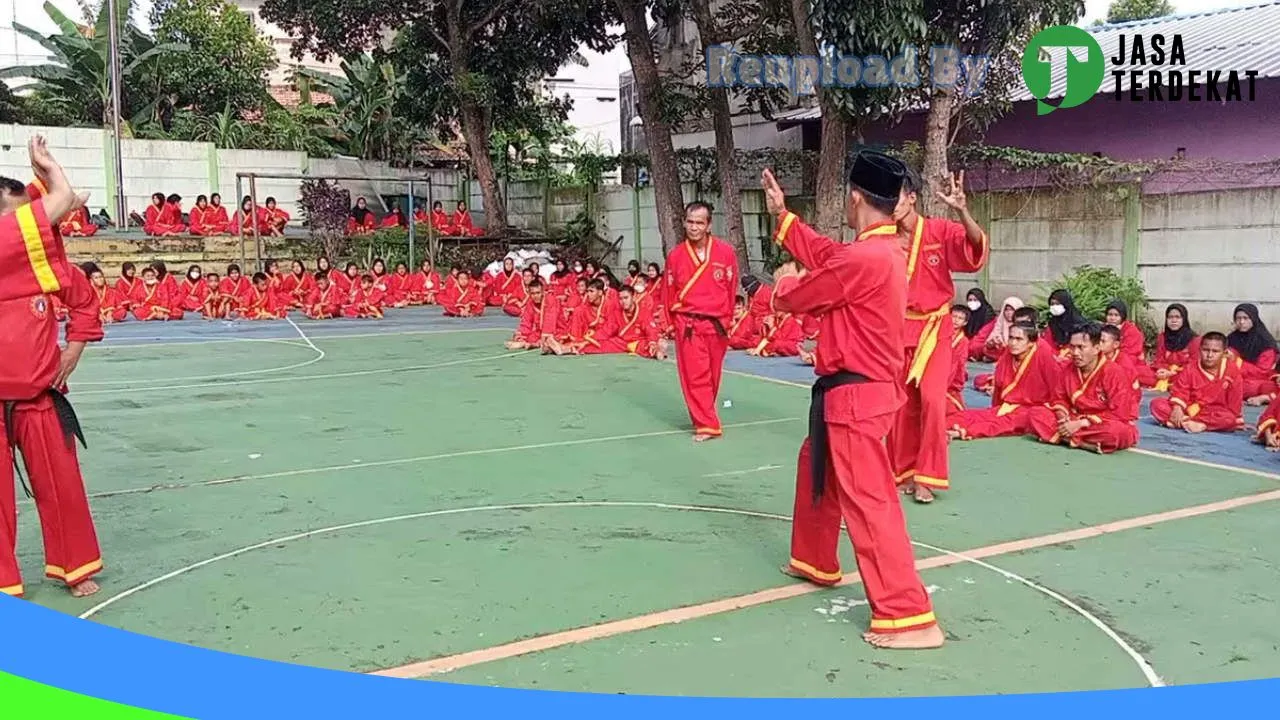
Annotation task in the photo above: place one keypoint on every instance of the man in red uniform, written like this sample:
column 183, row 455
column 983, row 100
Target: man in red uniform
column 538, row 321
column 858, row 293
column 1026, row 377
column 1208, row 396
column 36, row 417
column 1092, row 406
column 936, row 248
column 702, row 275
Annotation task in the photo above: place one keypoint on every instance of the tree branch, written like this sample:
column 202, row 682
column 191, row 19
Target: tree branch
column 488, row 17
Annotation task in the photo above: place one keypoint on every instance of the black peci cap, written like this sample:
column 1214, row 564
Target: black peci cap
column 877, row 174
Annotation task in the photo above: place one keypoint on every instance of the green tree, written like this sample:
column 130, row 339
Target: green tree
column 468, row 62
column 78, row 76
column 1128, row 10
column 366, row 97
column 228, row 60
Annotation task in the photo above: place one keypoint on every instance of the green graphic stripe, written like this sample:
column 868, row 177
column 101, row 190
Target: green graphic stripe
column 28, row 700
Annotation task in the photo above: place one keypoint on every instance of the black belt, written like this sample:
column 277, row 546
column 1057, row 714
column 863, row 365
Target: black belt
column 66, row 417
column 818, row 425
column 688, row 331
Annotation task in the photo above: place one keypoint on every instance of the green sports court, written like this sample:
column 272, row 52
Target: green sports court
column 407, row 497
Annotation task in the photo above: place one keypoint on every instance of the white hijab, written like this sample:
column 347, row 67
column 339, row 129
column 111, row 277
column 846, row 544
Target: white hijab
column 1001, row 329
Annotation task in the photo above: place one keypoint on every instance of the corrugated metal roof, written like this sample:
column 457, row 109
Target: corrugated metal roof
column 1242, row 38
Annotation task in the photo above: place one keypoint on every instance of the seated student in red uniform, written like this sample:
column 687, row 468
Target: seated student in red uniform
column 1177, row 347
column 173, row 212
column 247, row 220
column 1110, row 349
column 1208, row 395
column 1026, row 377
column 77, row 224
column 110, row 308
column 365, row 300
column 999, row 335
column 440, row 220
column 539, row 320
column 158, row 220
column 506, row 288
column 325, row 300
column 1268, row 432
column 361, row 220
column 1132, row 341
column 1026, row 315
column 594, row 322
column 217, row 304
column 1253, row 349
column 275, row 219
column 461, row 221
column 192, row 291
column 214, row 219
column 982, row 320
column 462, row 298
column 151, row 299
column 348, row 279
column 961, row 316
column 1063, row 318
column 395, row 218
column 296, row 287
column 234, row 287
column 423, row 285
column 1092, row 406
column 782, row 338
column 196, row 216
column 637, row 335
column 127, row 283
column 743, row 333
column 397, row 284
column 261, row 303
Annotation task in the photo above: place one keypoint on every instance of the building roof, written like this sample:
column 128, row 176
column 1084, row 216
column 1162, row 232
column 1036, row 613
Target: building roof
column 1241, row 38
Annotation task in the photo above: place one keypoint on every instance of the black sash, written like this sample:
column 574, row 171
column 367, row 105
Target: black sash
column 688, row 330
column 66, row 417
column 818, row 425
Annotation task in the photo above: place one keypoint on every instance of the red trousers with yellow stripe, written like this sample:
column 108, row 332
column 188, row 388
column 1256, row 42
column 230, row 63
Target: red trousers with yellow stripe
column 859, row 489
column 1215, row 418
column 70, row 543
column 1106, row 437
column 989, row 423
column 918, row 441
column 700, row 351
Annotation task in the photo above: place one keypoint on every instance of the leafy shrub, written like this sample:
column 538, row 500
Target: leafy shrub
column 325, row 207
column 1092, row 288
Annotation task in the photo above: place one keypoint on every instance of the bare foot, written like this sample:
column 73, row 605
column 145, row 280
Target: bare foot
column 908, row 487
column 954, row 434
column 1258, row 400
column 703, row 437
column 1192, row 426
column 84, row 588
column 923, row 495
column 925, row 639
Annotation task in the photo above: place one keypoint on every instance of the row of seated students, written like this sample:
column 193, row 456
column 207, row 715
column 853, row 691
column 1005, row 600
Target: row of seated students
column 1081, row 382
column 164, row 217
column 362, row 220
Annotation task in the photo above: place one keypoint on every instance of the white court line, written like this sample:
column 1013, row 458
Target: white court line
column 244, row 373
column 300, row 378
column 426, row 458
column 162, row 341
column 748, row 471
column 1142, row 663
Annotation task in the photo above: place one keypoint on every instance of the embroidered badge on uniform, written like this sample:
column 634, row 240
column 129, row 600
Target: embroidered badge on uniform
column 39, row 306
column 933, row 260
column 719, row 275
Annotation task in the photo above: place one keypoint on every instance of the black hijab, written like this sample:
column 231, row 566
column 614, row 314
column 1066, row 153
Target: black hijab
column 1249, row 345
column 1175, row 340
column 979, row 318
column 1121, row 307
column 1062, row 325
column 359, row 213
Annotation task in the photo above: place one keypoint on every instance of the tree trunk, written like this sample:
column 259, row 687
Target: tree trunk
column 830, row 186
column 663, row 168
column 726, row 162
column 937, row 139
column 476, row 135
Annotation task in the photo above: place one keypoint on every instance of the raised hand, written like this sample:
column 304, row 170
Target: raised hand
column 774, row 199
column 954, row 197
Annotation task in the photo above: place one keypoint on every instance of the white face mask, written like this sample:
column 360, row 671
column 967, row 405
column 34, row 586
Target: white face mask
column 1056, row 310
column 974, row 305
column 577, row 268
column 194, row 275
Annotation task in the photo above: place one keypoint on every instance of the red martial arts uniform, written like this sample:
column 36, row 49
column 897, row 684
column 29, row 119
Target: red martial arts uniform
column 110, row 307
column 785, row 337
column 1268, row 421
column 29, row 342
column 858, row 293
column 192, row 294
column 503, row 285
column 1213, row 398
column 593, row 326
column 324, row 304
column 1017, row 387
column 422, row 288
column 538, row 321
column 295, row 289
column 918, row 442
column 959, row 373
column 1104, row 398
column 151, row 302
column 1173, row 360
column 364, row 304
column 237, row 289
column 454, row 299
column 261, row 305
column 397, row 289
column 699, row 296
column 744, row 334
column 1259, row 376
column 32, row 257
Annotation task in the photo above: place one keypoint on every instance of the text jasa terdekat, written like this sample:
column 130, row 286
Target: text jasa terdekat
column 1146, row 59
